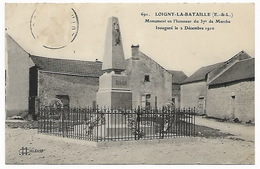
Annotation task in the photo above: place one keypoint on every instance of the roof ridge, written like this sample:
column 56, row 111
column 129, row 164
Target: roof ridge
column 154, row 61
column 7, row 34
column 238, row 66
column 68, row 66
column 75, row 60
column 211, row 64
column 202, row 71
column 223, row 71
column 176, row 70
column 246, row 59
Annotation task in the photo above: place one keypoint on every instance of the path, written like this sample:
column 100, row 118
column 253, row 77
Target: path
column 243, row 131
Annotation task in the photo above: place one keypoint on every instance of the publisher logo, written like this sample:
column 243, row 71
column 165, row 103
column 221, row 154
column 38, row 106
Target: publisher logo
column 29, row 151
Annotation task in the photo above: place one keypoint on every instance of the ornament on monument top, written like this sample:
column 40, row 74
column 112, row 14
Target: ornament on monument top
column 117, row 33
column 114, row 59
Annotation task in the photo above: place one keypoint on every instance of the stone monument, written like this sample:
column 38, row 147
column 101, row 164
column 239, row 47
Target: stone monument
column 113, row 84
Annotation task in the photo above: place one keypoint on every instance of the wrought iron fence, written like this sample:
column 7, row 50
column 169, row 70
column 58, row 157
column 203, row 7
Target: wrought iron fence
column 116, row 124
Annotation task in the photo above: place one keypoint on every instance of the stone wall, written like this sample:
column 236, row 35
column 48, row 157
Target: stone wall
column 81, row 90
column 160, row 80
column 17, row 78
column 235, row 100
column 191, row 93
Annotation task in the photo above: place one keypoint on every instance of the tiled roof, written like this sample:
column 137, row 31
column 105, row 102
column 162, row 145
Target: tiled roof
column 200, row 74
column 241, row 70
column 178, row 76
column 77, row 67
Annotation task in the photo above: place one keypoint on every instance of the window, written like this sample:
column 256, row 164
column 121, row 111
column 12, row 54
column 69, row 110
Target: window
column 146, row 78
column 146, row 101
column 173, row 100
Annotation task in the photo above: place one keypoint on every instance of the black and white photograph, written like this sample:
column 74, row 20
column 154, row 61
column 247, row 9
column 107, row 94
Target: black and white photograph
column 129, row 83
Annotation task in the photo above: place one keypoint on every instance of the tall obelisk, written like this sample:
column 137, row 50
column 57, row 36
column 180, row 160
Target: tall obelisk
column 113, row 84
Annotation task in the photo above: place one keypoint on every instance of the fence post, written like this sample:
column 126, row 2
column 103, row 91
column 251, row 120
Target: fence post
column 194, row 115
column 44, row 120
column 162, row 128
column 135, row 124
column 39, row 120
column 137, row 130
column 62, row 122
column 97, row 110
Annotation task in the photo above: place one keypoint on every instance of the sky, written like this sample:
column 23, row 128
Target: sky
column 185, row 50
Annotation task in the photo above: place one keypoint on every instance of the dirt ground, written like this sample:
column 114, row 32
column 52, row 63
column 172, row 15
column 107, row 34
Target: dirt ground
column 201, row 150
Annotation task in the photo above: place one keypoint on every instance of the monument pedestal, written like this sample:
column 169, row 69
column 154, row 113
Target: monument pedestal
column 114, row 91
column 114, row 99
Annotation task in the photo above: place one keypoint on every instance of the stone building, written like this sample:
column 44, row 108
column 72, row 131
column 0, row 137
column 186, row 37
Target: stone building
column 17, row 78
column 194, row 88
column 151, row 84
column 73, row 82
column 231, row 94
column 33, row 79
column 177, row 79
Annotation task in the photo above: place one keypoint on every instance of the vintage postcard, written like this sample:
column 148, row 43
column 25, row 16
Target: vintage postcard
column 139, row 83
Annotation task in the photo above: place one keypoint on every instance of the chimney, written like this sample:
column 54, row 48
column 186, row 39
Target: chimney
column 97, row 61
column 135, row 52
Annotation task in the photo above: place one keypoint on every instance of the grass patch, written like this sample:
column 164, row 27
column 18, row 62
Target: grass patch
column 202, row 131
column 23, row 124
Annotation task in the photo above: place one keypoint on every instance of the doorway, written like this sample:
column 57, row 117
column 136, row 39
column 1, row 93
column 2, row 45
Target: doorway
column 233, row 106
column 201, row 105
